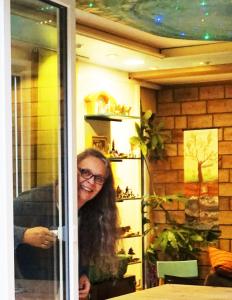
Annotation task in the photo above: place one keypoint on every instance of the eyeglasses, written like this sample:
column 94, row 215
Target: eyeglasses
column 87, row 174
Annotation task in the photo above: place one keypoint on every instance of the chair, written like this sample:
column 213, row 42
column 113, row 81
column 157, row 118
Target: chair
column 183, row 269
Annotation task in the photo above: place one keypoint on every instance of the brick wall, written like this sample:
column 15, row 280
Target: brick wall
column 196, row 107
column 38, row 117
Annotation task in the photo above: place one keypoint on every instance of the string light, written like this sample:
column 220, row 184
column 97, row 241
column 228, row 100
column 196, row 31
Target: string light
column 45, row 22
column 182, row 33
column 47, row 8
column 203, row 3
column 158, row 19
column 176, row 19
column 206, row 36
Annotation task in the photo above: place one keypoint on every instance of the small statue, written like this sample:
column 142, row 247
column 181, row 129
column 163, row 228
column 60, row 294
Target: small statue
column 118, row 192
column 121, row 251
column 131, row 251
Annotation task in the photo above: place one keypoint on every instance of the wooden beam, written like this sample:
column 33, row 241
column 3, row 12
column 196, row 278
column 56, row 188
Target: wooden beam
column 182, row 72
column 117, row 40
column 211, row 48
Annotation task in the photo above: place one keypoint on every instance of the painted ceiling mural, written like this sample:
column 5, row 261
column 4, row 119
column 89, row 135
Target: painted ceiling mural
column 185, row 19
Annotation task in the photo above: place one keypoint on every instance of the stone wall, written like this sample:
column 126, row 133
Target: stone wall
column 195, row 107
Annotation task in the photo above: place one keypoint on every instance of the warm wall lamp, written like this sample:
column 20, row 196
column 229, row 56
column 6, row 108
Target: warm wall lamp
column 185, row 19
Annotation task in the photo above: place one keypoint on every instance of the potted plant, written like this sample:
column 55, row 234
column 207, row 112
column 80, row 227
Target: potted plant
column 150, row 139
column 176, row 241
column 171, row 241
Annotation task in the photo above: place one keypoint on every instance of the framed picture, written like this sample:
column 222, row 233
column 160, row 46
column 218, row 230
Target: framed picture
column 100, row 143
column 201, row 175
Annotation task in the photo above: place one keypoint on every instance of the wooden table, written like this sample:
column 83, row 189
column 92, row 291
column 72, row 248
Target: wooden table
column 180, row 292
column 26, row 289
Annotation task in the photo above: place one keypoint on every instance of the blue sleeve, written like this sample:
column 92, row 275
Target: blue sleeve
column 18, row 235
column 83, row 270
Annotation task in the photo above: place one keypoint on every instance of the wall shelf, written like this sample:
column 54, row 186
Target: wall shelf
column 134, row 262
column 129, row 199
column 131, row 236
column 108, row 117
column 116, row 159
column 111, row 133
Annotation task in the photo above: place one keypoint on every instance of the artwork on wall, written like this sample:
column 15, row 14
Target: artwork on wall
column 100, row 143
column 201, row 175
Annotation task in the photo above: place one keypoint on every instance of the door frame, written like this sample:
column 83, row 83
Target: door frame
column 6, row 170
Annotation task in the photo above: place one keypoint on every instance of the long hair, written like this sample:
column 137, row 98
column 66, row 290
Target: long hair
column 98, row 220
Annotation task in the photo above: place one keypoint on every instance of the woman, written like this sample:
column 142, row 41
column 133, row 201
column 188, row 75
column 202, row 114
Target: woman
column 97, row 216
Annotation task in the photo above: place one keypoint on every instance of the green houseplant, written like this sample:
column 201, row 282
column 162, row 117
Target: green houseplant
column 175, row 241
column 170, row 241
column 150, row 138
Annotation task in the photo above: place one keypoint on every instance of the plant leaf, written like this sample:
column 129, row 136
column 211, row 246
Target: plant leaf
column 143, row 149
column 147, row 115
column 154, row 142
column 138, row 130
column 134, row 140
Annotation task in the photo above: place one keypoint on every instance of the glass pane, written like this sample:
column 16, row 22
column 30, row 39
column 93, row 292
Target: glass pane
column 37, row 104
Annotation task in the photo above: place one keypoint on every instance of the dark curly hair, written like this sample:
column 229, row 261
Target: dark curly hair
column 98, row 220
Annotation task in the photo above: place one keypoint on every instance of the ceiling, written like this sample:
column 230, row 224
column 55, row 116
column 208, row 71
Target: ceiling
column 160, row 60
column 192, row 20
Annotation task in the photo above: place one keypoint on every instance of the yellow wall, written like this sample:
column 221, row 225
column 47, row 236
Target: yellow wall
column 38, row 114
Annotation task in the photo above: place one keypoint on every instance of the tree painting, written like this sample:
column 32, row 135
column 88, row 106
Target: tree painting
column 201, row 174
column 200, row 155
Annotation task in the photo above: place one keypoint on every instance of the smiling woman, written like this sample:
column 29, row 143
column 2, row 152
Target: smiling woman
column 98, row 216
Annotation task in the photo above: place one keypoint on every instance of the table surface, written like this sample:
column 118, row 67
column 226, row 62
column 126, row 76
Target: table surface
column 180, row 292
column 26, row 289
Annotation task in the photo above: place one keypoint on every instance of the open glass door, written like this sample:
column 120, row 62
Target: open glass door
column 39, row 79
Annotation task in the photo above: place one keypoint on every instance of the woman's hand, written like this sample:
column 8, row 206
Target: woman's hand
column 84, row 287
column 40, row 237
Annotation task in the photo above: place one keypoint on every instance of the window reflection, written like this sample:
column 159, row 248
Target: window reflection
column 36, row 106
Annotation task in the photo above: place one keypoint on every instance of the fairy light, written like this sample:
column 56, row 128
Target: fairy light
column 202, row 16
column 203, row 3
column 158, row 19
column 182, row 34
column 206, row 36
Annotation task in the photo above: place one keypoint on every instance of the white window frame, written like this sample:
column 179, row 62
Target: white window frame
column 6, row 169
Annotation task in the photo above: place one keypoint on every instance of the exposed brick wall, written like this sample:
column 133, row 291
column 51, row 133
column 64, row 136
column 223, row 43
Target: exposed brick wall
column 38, row 118
column 196, row 107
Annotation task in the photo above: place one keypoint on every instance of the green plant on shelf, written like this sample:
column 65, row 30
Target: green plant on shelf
column 174, row 241
column 171, row 240
column 150, row 137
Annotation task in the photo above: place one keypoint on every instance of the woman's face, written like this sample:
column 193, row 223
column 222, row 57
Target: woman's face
column 91, row 175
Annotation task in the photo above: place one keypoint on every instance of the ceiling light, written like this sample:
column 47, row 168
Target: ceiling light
column 205, row 63
column 112, row 56
column 134, row 62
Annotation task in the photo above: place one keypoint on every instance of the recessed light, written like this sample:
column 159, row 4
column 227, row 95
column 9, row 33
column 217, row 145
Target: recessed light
column 112, row 56
column 134, row 62
column 205, row 63
column 78, row 45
